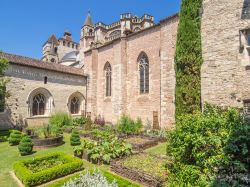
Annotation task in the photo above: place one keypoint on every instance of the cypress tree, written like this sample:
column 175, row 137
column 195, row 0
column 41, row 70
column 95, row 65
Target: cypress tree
column 188, row 58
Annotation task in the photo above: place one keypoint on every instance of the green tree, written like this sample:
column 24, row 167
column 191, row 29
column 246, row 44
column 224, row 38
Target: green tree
column 3, row 81
column 188, row 58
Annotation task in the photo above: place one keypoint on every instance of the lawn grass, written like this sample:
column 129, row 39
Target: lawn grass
column 10, row 154
column 159, row 150
column 146, row 163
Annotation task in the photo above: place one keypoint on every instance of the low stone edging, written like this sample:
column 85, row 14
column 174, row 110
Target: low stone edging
column 135, row 175
column 47, row 142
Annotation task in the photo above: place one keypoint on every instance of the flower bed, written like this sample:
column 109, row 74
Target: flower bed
column 140, row 142
column 144, row 168
column 42, row 169
column 48, row 142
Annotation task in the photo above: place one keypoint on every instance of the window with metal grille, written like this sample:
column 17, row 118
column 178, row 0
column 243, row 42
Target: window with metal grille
column 74, row 105
column 39, row 104
column 108, row 78
column 143, row 73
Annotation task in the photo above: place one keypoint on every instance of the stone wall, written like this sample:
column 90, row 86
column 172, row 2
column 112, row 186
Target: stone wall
column 25, row 79
column 224, row 74
column 158, row 43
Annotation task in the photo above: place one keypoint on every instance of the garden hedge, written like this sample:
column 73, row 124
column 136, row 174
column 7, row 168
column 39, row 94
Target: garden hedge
column 29, row 178
column 188, row 59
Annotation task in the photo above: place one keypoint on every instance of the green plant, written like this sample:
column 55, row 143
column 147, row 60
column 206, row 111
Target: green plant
column 23, row 169
column 15, row 137
column 109, row 149
column 79, row 121
column 75, row 138
column 26, row 146
column 48, row 131
column 88, row 124
column 60, row 120
column 128, row 126
column 188, row 58
column 205, row 146
column 95, row 178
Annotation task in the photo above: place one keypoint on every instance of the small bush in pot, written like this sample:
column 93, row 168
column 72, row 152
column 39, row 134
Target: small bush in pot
column 75, row 138
column 15, row 137
column 26, row 146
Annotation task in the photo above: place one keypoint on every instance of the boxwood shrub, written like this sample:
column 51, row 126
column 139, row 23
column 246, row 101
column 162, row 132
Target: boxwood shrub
column 30, row 178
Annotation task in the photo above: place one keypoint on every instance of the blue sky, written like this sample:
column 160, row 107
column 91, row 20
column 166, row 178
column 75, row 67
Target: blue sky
column 26, row 24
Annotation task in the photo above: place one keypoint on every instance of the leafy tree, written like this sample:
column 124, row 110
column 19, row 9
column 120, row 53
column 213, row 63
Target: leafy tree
column 3, row 81
column 188, row 58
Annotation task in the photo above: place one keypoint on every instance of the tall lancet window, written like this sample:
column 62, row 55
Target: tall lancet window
column 143, row 73
column 108, row 78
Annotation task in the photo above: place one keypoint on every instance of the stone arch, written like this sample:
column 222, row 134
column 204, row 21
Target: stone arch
column 82, row 101
column 49, row 102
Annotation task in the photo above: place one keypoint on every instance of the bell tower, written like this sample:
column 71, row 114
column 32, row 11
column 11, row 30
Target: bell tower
column 87, row 33
column 50, row 50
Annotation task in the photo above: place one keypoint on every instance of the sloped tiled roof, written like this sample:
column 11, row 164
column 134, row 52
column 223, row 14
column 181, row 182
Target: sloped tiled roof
column 26, row 61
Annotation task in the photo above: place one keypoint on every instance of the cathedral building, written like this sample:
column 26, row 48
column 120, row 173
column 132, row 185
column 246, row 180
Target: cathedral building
column 126, row 67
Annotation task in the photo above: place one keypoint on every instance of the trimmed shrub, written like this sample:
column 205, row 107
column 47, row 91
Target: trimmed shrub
column 90, row 179
column 75, row 138
column 188, row 59
column 26, row 146
column 128, row 126
column 70, row 165
column 60, row 120
column 15, row 137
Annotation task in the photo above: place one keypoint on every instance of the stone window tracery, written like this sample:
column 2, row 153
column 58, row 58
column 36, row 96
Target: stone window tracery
column 108, row 78
column 38, row 105
column 143, row 73
column 75, row 105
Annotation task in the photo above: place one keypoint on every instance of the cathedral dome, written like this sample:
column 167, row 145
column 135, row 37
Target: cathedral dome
column 70, row 57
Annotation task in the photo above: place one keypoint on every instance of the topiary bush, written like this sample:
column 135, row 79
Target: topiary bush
column 75, row 138
column 188, row 59
column 61, row 120
column 210, row 148
column 15, row 137
column 26, row 146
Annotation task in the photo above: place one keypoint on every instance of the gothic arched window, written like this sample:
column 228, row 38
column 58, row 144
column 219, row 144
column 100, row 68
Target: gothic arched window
column 75, row 105
column 38, row 105
column 144, row 73
column 108, row 78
